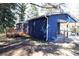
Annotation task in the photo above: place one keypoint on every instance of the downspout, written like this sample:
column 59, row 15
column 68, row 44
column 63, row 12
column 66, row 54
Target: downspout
column 46, row 28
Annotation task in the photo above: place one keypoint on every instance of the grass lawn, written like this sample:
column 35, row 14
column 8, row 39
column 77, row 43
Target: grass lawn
column 21, row 46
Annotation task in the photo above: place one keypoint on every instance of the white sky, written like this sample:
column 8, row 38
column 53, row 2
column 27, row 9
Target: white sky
column 73, row 8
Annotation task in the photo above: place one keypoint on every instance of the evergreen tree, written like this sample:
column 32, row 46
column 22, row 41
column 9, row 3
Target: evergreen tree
column 7, row 15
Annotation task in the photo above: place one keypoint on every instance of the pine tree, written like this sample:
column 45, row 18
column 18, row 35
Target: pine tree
column 7, row 15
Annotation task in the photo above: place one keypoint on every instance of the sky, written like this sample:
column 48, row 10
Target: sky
column 71, row 8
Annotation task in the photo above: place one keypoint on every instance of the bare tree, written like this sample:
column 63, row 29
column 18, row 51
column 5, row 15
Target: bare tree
column 51, row 6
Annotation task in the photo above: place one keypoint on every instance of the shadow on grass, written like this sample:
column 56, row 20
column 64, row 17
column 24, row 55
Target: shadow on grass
column 14, row 45
column 37, row 40
column 29, row 47
column 76, row 49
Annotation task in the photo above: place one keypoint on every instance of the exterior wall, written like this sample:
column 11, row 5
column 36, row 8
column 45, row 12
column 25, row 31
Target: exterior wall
column 37, row 28
column 25, row 28
column 53, row 27
column 19, row 27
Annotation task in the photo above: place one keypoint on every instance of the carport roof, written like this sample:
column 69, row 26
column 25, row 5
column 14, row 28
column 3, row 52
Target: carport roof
column 70, row 20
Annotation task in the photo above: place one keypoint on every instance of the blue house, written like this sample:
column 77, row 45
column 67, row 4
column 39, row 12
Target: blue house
column 46, row 27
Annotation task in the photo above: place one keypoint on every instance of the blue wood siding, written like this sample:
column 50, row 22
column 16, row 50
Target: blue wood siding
column 52, row 28
column 52, row 24
column 37, row 28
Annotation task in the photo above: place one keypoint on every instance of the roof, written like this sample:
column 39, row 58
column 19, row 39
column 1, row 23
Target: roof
column 53, row 15
column 44, row 16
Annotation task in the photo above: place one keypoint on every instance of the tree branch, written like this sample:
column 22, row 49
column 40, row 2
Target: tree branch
column 52, row 6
